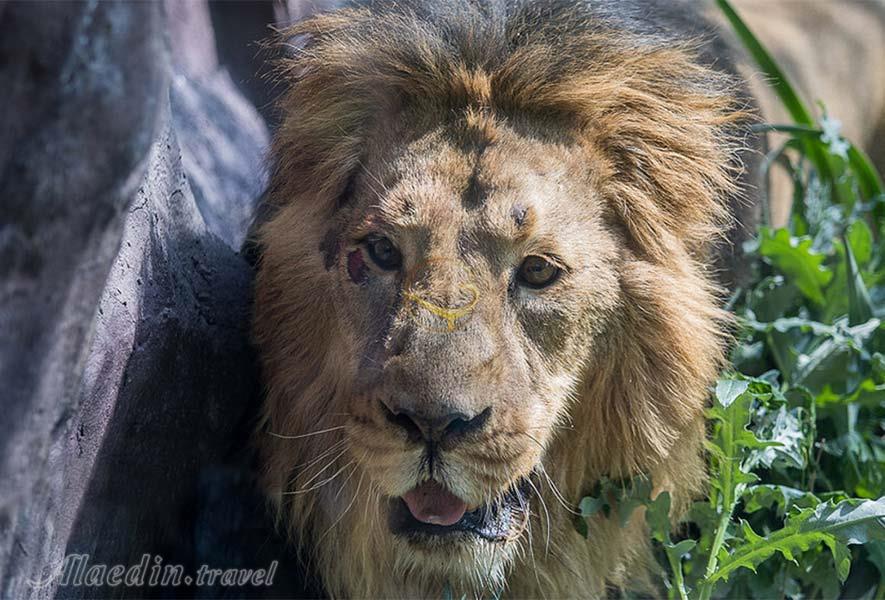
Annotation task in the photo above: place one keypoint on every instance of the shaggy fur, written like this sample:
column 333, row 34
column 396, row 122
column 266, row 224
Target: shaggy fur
column 471, row 136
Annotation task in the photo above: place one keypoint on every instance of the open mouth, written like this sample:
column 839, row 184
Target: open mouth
column 431, row 510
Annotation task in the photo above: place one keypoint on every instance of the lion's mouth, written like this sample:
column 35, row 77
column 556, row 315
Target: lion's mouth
column 432, row 511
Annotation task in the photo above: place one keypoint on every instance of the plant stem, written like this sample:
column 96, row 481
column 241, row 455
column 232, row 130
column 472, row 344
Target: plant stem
column 706, row 587
column 678, row 580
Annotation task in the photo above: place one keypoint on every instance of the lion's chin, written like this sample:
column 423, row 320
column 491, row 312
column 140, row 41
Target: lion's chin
column 498, row 522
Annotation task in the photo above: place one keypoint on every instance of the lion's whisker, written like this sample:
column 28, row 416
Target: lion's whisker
column 546, row 515
column 355, row 496
column 320, row 484
column 321, row 471
column 304, row 435
column 546, row 427
column 532, row 549
column 346, row 480
column 531, row 437
column 556, row 493
column 320, row 456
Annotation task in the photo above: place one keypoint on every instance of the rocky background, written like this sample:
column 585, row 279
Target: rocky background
column 132, row 147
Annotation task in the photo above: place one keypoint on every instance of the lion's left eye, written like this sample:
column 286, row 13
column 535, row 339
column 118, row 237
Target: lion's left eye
column 383, row 253
column 537, row 272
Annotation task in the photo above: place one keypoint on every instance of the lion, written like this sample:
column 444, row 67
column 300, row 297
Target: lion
column 487, row 279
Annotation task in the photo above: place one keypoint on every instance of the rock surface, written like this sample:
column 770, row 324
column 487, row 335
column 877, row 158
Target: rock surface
column 128, row 176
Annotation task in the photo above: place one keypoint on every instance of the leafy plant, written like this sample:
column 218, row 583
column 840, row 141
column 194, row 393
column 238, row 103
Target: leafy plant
column 796, row 503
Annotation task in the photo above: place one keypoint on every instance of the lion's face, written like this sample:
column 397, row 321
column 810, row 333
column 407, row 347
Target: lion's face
column 472, row 279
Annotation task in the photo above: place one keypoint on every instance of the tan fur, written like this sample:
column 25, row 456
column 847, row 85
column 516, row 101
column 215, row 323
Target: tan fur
column 622, row 170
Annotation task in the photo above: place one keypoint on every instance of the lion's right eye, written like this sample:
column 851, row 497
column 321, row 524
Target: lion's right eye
column 383, row 253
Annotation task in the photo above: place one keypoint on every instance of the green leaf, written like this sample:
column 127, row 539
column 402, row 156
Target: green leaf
column 868, row 394
column 581, row 525
column 783, row 429
column 589, row 506
column 809, row 308
column 657, row 515
column 680, row 549
column 870, row 183
column 773, row 73
column 860, row 309
column 636, row 494
column 750, row 535
column 868, row 178
column 876, row 553
column 827, row 363
column 795, row 258
column 848, row 522
column 620, row 496
column 730, row 445
column 860, row 238
column 782, row 497
column 728, row 390
column 772, row 298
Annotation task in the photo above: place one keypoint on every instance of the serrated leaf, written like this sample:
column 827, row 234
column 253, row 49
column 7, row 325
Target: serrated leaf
column 733, row 441
column 783, row 430
column 845, row 523
column 750, row 535
column 783, row 498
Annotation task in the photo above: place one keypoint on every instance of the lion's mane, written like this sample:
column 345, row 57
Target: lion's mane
column 659, row 121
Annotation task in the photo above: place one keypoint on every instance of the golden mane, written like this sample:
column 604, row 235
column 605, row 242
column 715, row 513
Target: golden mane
column 663, row 121
column 659, row 127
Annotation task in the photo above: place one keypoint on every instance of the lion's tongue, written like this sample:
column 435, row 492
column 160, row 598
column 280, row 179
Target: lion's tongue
column 432, row 503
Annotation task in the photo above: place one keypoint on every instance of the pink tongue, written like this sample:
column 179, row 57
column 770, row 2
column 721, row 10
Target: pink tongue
column 432, row 503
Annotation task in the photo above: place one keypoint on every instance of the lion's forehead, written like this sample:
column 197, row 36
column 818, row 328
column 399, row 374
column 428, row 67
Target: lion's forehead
column 459, row 194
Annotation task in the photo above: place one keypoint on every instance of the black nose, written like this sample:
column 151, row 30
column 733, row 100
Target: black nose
column 435, row 427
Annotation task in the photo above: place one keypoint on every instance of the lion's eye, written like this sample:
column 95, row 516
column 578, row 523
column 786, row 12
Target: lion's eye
column 383, row 253
column 537, row 272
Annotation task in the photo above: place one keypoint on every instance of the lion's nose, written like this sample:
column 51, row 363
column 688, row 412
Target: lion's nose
column 438, row 426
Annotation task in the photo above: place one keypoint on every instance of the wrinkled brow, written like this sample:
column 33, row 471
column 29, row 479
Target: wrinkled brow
column 504, row 219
